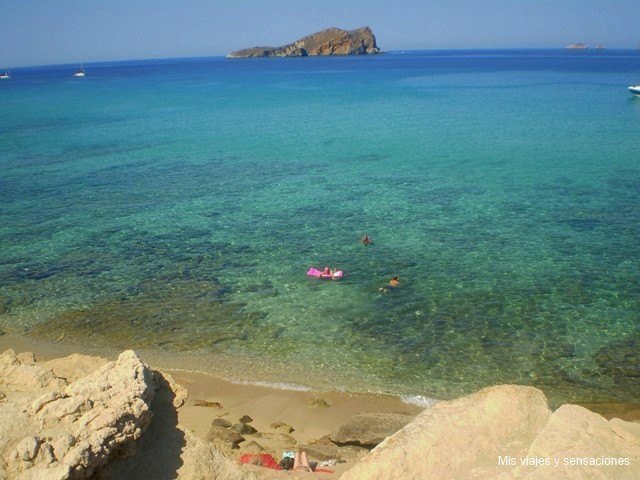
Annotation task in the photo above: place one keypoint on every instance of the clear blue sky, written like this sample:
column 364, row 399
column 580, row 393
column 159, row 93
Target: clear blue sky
column 36, row 32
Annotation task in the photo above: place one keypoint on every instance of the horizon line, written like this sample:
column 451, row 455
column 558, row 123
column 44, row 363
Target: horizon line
column 223, row 56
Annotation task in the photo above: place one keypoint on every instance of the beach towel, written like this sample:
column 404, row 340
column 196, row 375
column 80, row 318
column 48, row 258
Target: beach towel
column 262, row 459
column 323, row 470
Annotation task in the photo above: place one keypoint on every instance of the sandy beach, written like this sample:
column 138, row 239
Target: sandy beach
column 267, row 405
column 312, row 414
column 181, row 424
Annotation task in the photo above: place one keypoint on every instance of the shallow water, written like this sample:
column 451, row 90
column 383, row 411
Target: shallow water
column 176, row 205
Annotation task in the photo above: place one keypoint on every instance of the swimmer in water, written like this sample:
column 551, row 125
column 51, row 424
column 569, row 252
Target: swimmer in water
column 366, row 240
column 393, row 283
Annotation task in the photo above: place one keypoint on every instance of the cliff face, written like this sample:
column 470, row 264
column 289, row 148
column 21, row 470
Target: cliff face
column 332, row 41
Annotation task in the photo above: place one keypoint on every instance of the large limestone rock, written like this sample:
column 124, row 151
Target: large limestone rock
column 460, row 439
column 574, row 434
column 489, row 434
column 169, row 452
column 69, row 431
column 115, row 420
column 332, row 41
column 369, row 429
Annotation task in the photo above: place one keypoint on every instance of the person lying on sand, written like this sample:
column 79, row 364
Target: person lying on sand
column 301, row 463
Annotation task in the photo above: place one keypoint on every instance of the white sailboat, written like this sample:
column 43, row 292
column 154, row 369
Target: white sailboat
column 80, row 73
column 5, row 75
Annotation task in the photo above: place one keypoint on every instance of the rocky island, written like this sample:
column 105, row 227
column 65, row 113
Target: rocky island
column 332, row 41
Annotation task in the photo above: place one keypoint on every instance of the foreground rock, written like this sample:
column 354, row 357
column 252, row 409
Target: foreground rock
column 168, row 451
column 102, row 420
column 70, row 430
column 475, row 437
column 332, row 41
column 83, row 417
column 574, row 434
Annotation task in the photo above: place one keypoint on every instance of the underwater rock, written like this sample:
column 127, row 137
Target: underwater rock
column 621, row 360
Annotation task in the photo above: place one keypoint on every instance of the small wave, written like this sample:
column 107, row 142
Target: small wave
column 258, row 383
column 419, row 400
column 276, row 385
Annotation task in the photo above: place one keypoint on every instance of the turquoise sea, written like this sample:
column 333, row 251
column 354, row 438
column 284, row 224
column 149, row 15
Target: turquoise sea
column 175, row 206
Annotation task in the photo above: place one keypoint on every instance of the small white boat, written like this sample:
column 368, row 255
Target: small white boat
column 5, row 75
column 79, row 73
column 635, row 89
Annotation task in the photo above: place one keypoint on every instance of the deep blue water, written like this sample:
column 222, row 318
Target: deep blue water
column 176, row 205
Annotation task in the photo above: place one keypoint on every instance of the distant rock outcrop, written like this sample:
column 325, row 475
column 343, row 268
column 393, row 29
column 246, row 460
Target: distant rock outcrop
column 577, row 46
column 332, row 41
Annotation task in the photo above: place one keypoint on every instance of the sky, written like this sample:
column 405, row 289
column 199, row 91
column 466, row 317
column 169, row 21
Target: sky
column 41, row 32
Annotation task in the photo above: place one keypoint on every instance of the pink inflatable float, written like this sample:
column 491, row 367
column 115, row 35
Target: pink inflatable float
column 314, row 272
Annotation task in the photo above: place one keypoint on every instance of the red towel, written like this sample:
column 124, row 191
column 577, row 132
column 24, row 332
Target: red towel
column 264, row 459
